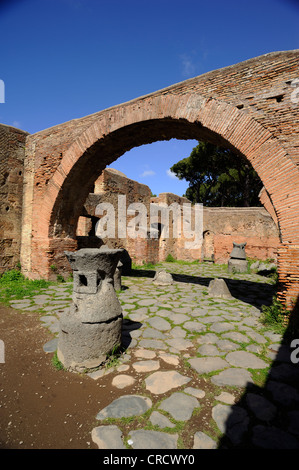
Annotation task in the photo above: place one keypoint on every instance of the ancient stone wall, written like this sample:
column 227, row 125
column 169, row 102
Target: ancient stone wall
column 221, row 226
column 12, row 153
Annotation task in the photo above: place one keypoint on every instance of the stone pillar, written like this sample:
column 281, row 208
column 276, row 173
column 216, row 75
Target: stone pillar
column 237, row 262
column 91, row 327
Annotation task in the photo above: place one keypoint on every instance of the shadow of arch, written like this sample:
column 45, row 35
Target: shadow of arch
column 243, row 290
column 267, row 416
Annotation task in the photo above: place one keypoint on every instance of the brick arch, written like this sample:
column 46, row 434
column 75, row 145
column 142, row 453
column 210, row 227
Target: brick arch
column 193, row 117
column 247, row 115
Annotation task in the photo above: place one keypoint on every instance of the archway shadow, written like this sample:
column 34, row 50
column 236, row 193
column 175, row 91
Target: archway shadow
column 267, row 416
column 254, row 293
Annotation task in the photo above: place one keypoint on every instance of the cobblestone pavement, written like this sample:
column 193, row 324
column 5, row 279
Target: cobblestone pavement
column 212, row 376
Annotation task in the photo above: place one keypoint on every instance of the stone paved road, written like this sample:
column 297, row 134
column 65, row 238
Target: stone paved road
column 212, row 375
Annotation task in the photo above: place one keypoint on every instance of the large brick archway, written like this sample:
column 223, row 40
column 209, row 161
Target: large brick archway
column 247, row 106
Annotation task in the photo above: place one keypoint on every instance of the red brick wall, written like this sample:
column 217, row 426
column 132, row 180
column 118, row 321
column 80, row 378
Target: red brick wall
column 12, row 153
column 247, row 106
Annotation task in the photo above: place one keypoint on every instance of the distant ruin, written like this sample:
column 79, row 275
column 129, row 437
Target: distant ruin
column 221, row 226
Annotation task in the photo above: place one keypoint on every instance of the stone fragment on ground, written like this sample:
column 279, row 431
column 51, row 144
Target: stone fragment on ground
column 163, row 381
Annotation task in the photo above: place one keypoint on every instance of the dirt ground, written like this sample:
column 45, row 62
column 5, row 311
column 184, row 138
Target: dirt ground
column 40, row 407
column 45, row 408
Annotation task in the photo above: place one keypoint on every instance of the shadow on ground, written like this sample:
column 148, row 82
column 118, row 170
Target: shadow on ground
column 266, row 416
column 254, row 293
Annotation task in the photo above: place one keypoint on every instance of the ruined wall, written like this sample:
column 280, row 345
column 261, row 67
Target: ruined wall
column 253, row 225
column 221, row 225
column 107, row 188
column 12, row 153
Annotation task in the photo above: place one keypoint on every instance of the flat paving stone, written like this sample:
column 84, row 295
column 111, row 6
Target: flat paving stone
column 157, row 419
column 204, row 365
column 258, row 338
column 137, row 316
column 210, row 319
column 122, row 381
column 179, row 343
column 153, row 333
column 208, row 338
column 226, row 397
column 236, row 376
column 125, row 406
column 209, row 350
column 178, row 318
column 159, row 323
column 226, row 345
column 197, row 393
column 232, row 421
column 221, row 327
column 169, row 358
column 107, row 437
column 245, row 360
column 180, row 406
column 163, row 381
column 194, row 326
column 146, row 302
column 177, row 332
column 143, row 439
column 203, row 441
column 51, row 346
column 236, row 336
column 21, row 306
column 144, row 353
column 152, row 343
column 146, row 366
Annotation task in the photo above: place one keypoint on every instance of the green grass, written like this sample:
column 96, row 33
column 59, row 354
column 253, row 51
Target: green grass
column 56, row 362
column 274, row 315
column 13, row 284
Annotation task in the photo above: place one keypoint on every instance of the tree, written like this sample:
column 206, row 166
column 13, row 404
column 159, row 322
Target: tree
column 218, row 177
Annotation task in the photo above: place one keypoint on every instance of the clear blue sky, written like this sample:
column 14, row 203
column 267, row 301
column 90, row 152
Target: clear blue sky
column 64, row 59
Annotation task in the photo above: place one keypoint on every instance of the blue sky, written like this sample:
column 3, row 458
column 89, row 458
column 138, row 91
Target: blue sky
column 64, row 59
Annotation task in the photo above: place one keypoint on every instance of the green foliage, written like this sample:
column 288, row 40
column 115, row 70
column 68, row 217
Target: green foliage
column 113, row 357
column 11, row 276
column 218, row 177
column 14, row 284
column 274, row 315
column 170, row 259
column 60, row 278
column 56, row 362
column 143, row 266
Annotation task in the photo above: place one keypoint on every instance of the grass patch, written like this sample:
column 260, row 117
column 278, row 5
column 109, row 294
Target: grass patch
column 13, row 284
column 144, row 266
column 56, row 362
column 260, row 376
column 114, row 357
column 275, row 316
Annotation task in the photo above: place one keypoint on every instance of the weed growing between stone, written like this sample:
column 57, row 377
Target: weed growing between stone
column 56, row 362
column 274, row 316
